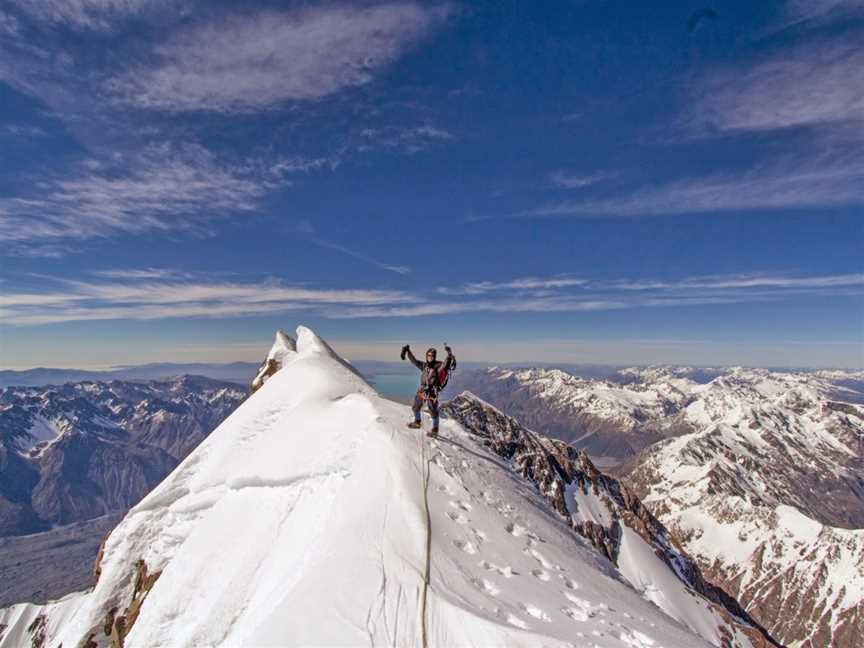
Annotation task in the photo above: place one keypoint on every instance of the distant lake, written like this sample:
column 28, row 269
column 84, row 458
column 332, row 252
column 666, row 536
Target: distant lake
column 400, row 385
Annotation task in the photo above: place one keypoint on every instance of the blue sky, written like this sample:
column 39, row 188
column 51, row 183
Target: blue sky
column 591, row 181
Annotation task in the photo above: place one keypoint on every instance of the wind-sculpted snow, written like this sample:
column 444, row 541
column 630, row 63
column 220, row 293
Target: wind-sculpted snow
column 312, row 516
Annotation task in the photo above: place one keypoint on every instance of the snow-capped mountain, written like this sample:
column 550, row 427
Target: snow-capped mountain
column 759, row 474
column 612, row 421
column 753, row 494
column 78, row 451
column 313, row 516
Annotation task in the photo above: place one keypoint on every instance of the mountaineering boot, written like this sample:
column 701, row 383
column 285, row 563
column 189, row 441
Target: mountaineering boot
column 432, row 433
column 414, row 425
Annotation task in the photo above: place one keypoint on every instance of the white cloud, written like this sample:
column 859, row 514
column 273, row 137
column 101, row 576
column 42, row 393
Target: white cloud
column 90, row 14
column 818, row 11
column 153, row 294
column 816, row 182
column 330, row 245
column 557, row 294
column 8, row 24
column 249, row 63
column 401, row 139
column 742, row 282
column 571, row 181
column 544, row 304
column 144, row 273
column 163, row 189
column 305, row 227
column 815, row 83
column 520, row 284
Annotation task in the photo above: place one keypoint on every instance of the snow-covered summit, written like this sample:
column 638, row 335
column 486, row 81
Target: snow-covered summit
column 313, row 516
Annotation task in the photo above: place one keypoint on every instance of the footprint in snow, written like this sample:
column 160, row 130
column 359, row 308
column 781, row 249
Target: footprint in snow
column 536, row 555
column 581, row 608
column 517, row 530
column 465, row 506
column 458, row 518
column 635, row 639
column 480, row 535
column 467, row 547
column 486, row 586
column 535, row 612
column 513, row 620
column 576, row 614
column 540, row 574
column 443, row 489
column 506, row 572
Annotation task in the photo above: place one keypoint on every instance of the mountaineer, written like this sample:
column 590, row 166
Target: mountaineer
column 434, row 375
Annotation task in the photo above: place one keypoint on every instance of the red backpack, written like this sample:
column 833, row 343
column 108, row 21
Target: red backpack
column 444, row 373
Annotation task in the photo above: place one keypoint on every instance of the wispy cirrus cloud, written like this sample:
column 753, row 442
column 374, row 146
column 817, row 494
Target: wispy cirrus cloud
column 401, row 139
column 741, row 281
column 520, row 284
column 89, row 14
column 142, row 273
column 152, row 294
column 791, row 184
column 798, row 12
column 815, row 83
column 165, row 188
column 576, row 181
column 306, row 229
column 162, row 294
column 249, row 63
column 557, row 294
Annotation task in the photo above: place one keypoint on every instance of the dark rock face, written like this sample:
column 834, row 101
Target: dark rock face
column 78, row 451
column 556, row 467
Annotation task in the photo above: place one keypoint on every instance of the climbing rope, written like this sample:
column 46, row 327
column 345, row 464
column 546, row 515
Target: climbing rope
column 425, row 472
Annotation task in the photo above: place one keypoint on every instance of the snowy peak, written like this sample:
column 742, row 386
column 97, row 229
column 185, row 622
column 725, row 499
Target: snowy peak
column 313, row 516
column 283, row 349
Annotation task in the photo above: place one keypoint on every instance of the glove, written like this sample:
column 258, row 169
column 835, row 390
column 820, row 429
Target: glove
column 404, row 351
column 448, row 349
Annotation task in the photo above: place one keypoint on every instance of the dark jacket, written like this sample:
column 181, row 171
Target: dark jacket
column 429, row 384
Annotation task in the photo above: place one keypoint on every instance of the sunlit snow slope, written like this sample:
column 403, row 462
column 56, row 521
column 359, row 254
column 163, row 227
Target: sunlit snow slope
column 313, row 516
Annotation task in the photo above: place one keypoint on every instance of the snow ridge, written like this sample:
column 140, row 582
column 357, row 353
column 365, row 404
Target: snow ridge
column 303, row 520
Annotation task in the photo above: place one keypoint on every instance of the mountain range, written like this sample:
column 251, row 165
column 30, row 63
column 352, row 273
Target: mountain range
column 758, row 474
column 313, row 516
column 78, row 451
